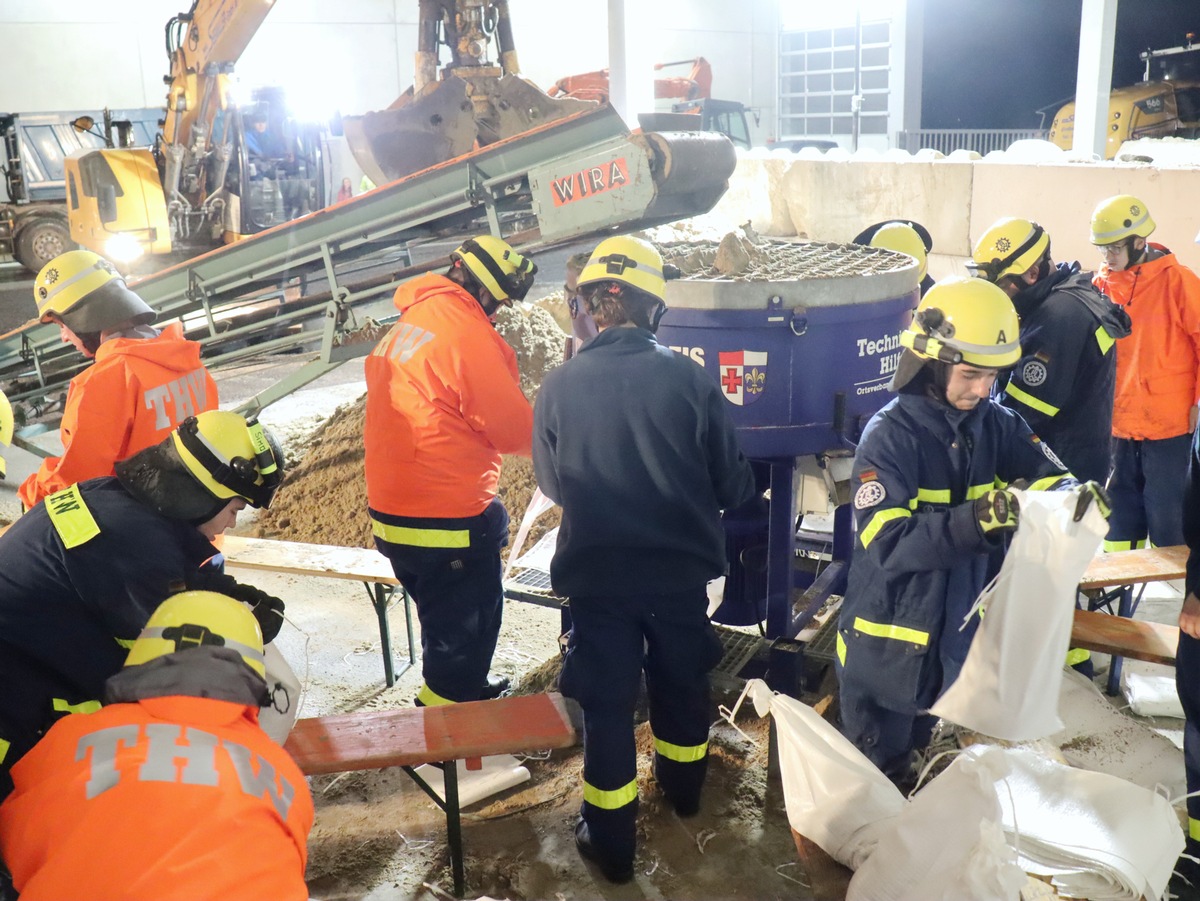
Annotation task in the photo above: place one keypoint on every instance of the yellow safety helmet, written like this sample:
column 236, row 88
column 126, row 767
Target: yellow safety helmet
column 193, row 619
column 1010, row 247
column 207, row 461
column 87, row 293
column 629, row 261
column 7, row 426
column 965, row 320
column 1120, row 217
column 902, row 238
column 506, row 274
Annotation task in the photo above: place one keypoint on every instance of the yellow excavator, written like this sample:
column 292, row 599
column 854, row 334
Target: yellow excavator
column 219, row 172
column 206, row 181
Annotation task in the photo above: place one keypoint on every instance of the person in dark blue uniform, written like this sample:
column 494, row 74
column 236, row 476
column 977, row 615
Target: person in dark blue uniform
column 1187, row 678
column 81, row 572
column 1063, row 384
column 933, row 514
column 633, row 440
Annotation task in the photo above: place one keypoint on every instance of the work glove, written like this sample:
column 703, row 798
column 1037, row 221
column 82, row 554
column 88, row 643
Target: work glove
column 267, row 608
column 997, row 512
column 1089, row 492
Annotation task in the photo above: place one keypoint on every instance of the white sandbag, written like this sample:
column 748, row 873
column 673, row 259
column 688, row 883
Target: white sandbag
column 277, row 719
column 947, row 844
column 834, row 795
column 1150, row 689
column 1096, row 836
column 1009, row 685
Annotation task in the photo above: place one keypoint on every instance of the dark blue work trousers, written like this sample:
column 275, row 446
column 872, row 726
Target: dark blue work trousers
column 888, row 738
column 460, row 603
column 1187, row 683
column 1146, row 487
column 613, row 639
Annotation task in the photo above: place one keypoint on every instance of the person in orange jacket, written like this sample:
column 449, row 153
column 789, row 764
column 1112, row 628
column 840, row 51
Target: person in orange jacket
column 144, row 383
column 171, row 790
column 1158, row 375
column 443, row 403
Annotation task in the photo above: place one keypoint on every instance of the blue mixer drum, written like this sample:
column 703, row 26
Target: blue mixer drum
column 803, row 355
column 803, row 342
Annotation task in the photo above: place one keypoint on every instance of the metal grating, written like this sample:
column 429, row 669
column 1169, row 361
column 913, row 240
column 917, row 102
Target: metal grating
column 823, row 646
column 739, row 649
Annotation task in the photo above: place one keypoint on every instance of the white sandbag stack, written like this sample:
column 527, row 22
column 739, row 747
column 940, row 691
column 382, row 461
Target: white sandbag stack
column 1096, row 836
column 947, row 844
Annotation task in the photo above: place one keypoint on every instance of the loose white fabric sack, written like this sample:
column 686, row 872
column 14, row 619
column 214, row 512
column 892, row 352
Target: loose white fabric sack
column 1009, row 685
column 277, row 720
column 834, row 795
column 538, row 504
column 1097, row 836
column 947, row 844
column 1150, row 689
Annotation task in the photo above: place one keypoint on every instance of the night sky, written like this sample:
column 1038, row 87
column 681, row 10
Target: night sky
column 993, row 63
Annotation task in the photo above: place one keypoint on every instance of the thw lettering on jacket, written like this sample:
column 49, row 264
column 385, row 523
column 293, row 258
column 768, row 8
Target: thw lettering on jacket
column 403, row 341
column 188, row 394
column 190, row 762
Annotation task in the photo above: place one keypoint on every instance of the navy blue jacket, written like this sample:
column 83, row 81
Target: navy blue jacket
column 1063, row 384
column 69, row 616
column 633, row 440
column 920, row 558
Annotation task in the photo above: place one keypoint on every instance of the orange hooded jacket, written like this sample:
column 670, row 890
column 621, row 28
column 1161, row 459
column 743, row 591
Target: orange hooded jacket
column 130, row 398
column 166, row 799
column 443, row 403
column 1158, row 365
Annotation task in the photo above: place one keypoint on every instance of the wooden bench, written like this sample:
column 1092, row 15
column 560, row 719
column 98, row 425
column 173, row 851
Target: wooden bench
column 412, row 736
column 1121, row 637
column 1113, row 576
column 319, row 560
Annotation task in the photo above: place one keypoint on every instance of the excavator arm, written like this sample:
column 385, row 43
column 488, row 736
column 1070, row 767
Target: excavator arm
column 203, row 45
column 474, row 102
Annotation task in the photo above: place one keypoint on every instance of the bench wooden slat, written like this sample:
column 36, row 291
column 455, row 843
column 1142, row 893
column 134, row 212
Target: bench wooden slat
column 415, row 735
column 1153, row 642
column 1157, row 564
column 357, row 564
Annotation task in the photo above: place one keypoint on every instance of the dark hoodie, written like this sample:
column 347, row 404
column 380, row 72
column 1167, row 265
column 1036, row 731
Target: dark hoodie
column 1063, row 383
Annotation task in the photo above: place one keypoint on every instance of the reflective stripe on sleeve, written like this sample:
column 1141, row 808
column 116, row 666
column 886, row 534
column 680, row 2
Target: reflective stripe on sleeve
column 71, row 518
column 1105, row 340
column 680, row 753
column 882, row 630
column 878, row 521
column 444, row 538
column 61, row 706
column 1194, row 829
column 1045, row 484
column 978, row 491
column 611, row 800
column 1030, row 401
column 4, row 746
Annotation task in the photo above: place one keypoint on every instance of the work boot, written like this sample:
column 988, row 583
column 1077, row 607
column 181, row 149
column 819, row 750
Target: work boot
column 493, row 687
column 618, row 872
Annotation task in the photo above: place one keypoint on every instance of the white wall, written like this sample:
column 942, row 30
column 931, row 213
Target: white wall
column 354, row 55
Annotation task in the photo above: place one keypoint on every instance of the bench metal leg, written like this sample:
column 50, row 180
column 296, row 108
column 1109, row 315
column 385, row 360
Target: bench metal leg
column 381, row 595
column 1125, row 608
column 453, row 817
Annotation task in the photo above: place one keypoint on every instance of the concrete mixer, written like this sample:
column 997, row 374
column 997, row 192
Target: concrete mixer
column 803, row 339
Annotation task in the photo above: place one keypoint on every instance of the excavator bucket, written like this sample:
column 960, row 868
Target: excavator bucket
column 449, row 119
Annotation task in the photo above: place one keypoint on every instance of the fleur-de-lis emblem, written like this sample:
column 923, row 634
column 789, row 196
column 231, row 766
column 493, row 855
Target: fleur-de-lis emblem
column 755, row 380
